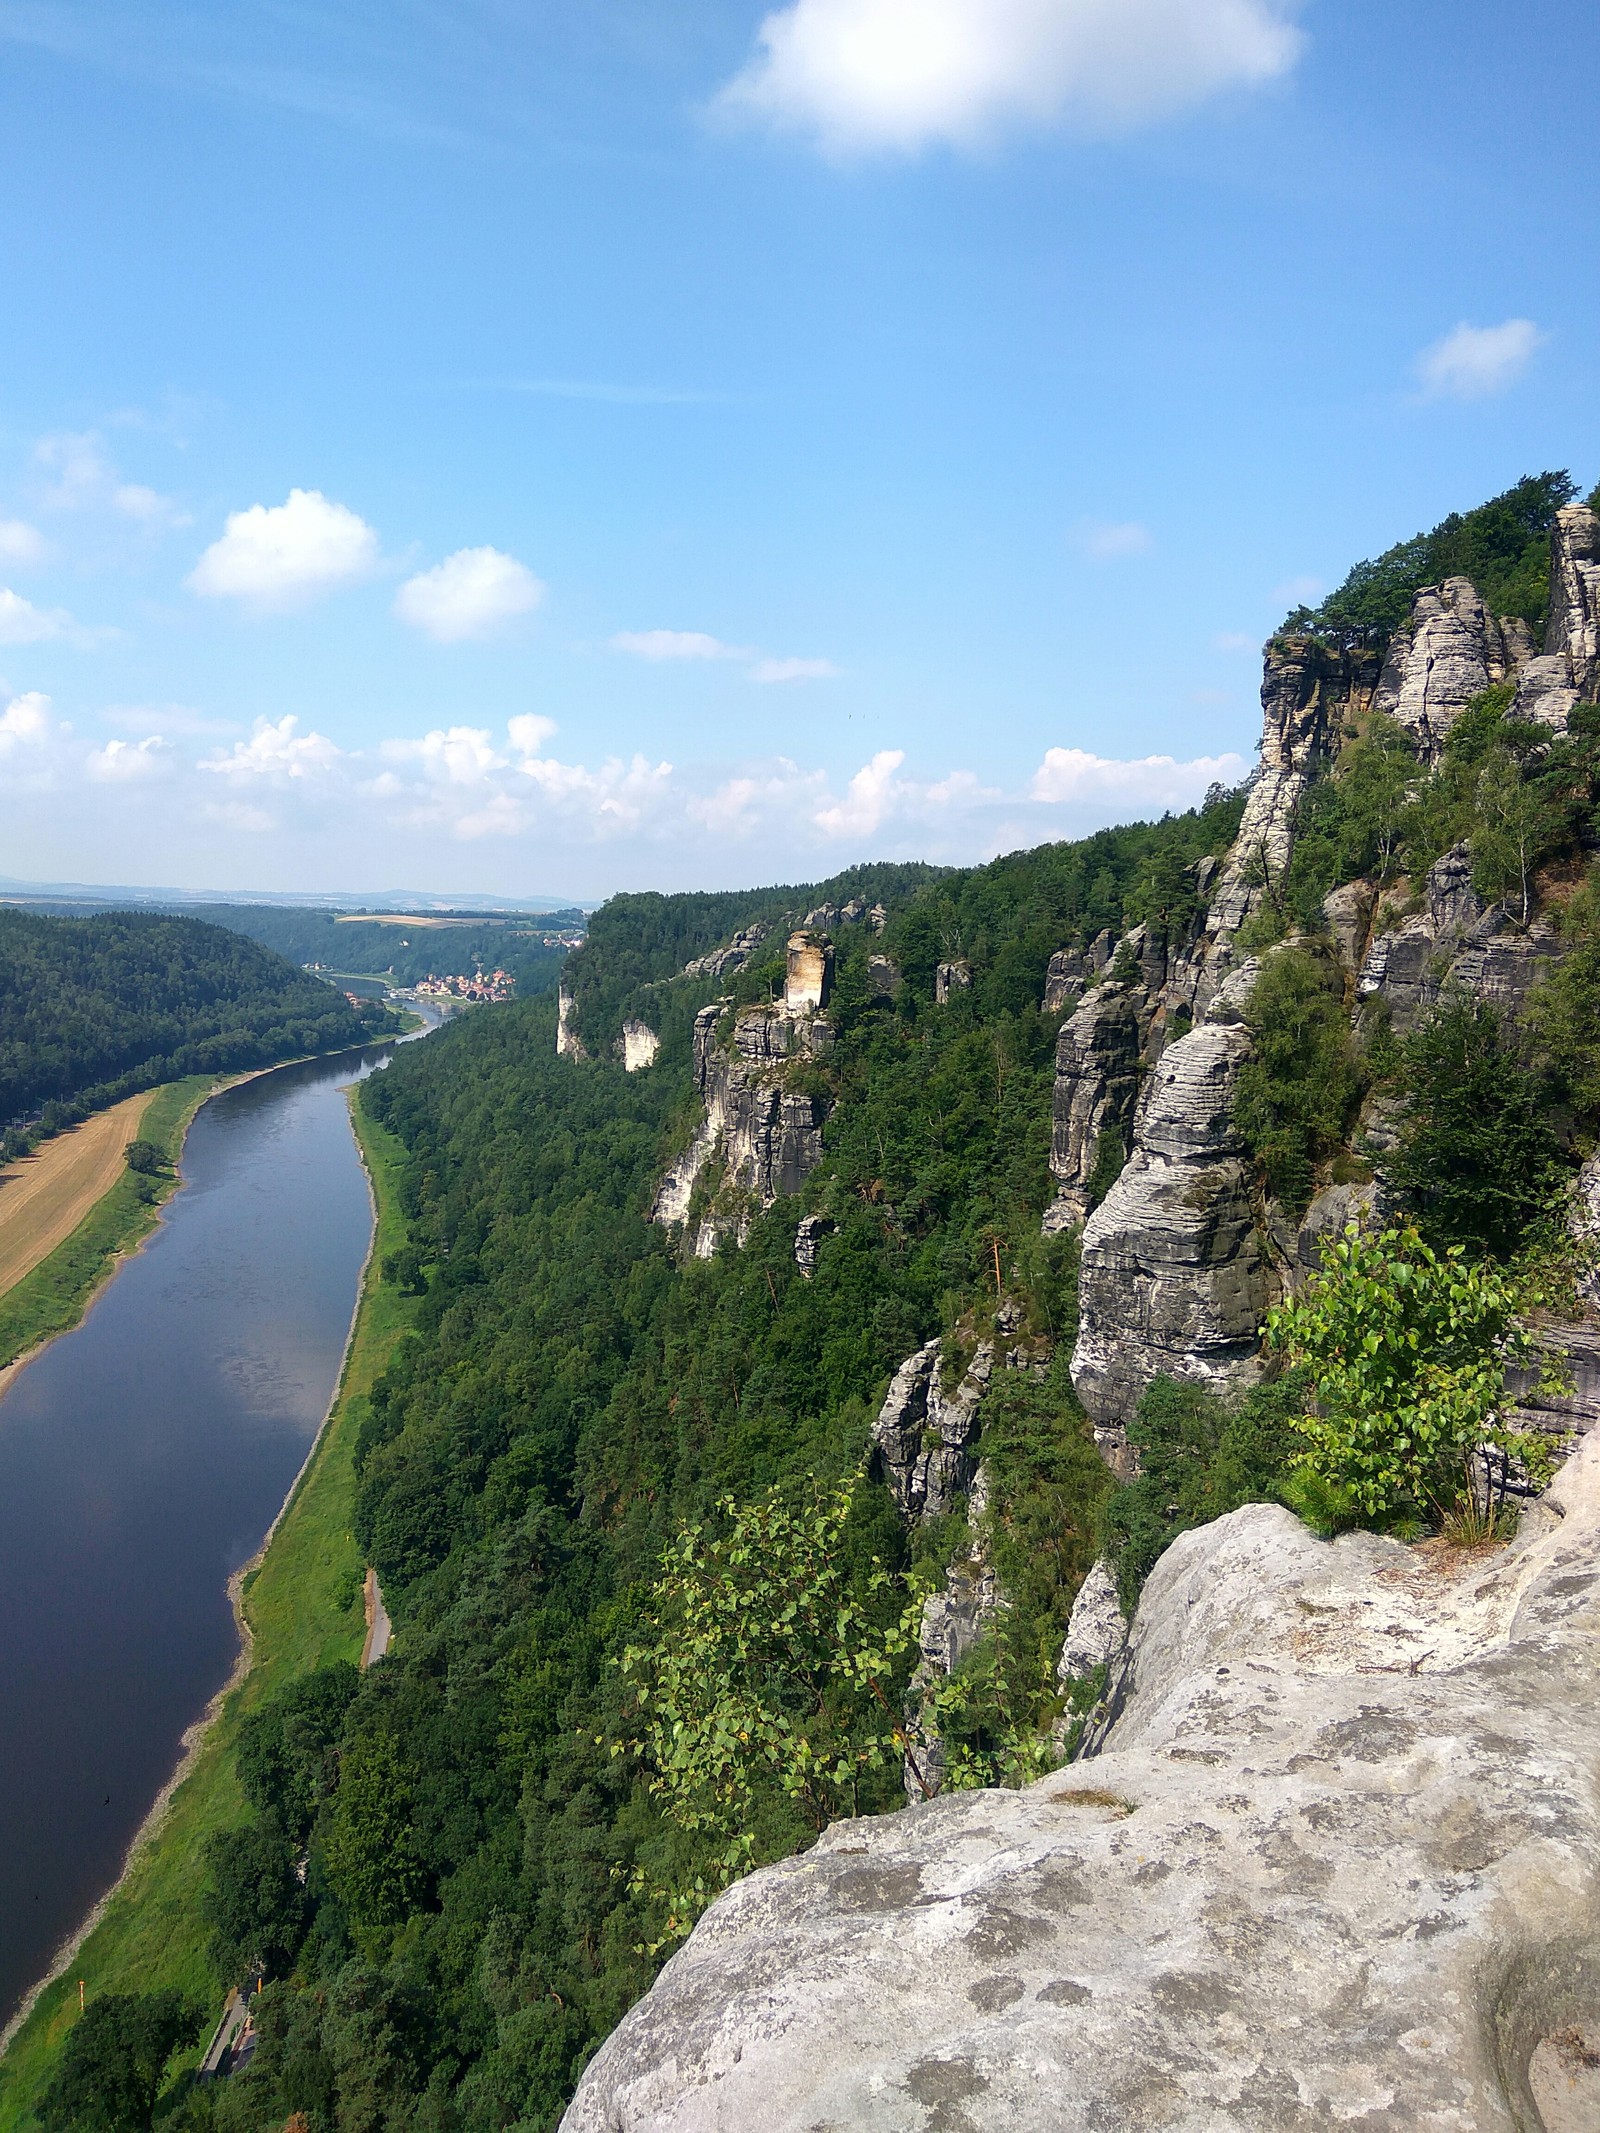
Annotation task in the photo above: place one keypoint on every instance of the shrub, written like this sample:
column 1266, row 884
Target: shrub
column 1477, row 1158
column 1199, row 1457
column 1408, row 1350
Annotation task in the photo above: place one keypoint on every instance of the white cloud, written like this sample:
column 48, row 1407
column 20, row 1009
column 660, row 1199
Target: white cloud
column 283, row 555
column 26, row 722
column 1471, row 362
column 1233, row 641
column 780, row 670
column 472, row 593
column 21, row 543
column 276, row 751
column 124, row 762
column 903, row 74
column 80, row 477
column 1105, row 542
column 529, row 732
column 23, row 623
column 1073, row 776
column 459, row 755
column 868, row 798
column 674, row 644
column 660, row 645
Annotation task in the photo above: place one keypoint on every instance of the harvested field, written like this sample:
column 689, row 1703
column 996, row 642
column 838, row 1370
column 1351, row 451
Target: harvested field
column 44, row 1197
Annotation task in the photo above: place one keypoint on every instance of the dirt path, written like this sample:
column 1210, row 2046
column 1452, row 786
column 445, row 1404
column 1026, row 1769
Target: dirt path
column 44, row 1197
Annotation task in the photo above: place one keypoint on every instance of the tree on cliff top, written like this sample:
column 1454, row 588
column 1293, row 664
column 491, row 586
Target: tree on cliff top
column 1503, row 547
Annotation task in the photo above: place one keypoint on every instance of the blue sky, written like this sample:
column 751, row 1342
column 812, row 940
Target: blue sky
column 547, row 448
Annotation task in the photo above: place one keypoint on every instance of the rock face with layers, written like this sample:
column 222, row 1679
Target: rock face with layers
column 1451, row 650
column 1337, row 1866
column 759, row 1138
column 1096, row 1085
column 922, row 1440
column 1458, row 942
column 1308, row 693
column 1172, row 1280
column 1567, row 672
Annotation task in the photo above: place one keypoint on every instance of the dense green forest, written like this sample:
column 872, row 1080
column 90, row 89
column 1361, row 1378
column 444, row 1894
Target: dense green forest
column 360, row 947
column 1503, row 546
column 99, row 1008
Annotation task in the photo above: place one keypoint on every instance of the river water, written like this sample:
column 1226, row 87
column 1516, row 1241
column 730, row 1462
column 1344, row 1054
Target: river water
column 143, row 1457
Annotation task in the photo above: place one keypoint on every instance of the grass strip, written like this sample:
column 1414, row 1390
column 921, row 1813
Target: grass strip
column 54, row 1295
column 301, row 1606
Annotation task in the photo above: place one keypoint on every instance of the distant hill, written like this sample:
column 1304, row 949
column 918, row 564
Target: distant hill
column 532, row 949
column 98, row 1008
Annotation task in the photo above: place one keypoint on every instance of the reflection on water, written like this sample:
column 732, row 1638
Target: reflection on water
column 142, row 1458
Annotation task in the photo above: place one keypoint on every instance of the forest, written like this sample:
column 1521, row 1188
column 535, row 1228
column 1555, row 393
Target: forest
column 653, row 1609
column 100, row 1008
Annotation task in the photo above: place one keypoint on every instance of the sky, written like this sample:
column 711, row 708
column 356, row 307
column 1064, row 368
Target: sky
column 543, row 447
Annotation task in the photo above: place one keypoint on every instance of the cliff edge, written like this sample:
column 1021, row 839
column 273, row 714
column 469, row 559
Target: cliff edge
column 1337, row 1865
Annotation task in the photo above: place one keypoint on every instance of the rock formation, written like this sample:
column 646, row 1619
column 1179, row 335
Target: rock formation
column 1096, row 1086
column 809, row 977
column 758, row 1138
column 1173, row 1281
column 949, row 978
column 807, row 1237
column 1451, row 650
column 1568, row 669
column 1337, row 1865
column 922, row 1439
column 722, row 961
column 639, row 1044
column 569, row 1045
column 1457, row 941
column 1308, row 693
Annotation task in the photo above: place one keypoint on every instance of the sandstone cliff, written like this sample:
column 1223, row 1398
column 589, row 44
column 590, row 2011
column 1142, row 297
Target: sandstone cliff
column 758, row 1137
column 1337, row 1865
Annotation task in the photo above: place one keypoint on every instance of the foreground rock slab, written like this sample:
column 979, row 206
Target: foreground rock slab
column 1338, row 1866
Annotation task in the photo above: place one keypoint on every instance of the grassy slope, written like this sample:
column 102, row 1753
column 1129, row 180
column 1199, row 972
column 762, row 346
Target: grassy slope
column 56, row 1293
column 303, row 1607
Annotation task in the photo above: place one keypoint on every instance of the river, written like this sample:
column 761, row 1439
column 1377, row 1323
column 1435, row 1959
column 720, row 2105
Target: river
column 143, row 1458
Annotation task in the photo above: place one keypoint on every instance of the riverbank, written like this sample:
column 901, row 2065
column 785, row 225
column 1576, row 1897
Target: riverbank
column 299, row 1606
column 45, row 1195
column 55, row 1292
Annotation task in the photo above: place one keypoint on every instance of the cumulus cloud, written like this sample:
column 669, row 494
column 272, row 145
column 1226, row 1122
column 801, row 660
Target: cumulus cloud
column 276, row 750
column 1472, row 362
column 128, row 762
column 904, row 74
column 23, row 623
column 674, row 644
column 473, row 593
column 78, row 476
column 21, row 543
column 283, row 555
column 1105, row 542
column 26, row 722
column 1073, row 775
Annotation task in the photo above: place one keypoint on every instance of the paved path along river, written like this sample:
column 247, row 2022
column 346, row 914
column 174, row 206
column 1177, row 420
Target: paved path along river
column 142, row 1459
